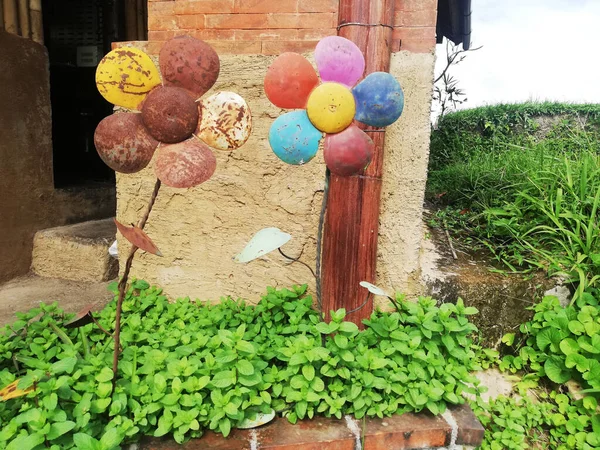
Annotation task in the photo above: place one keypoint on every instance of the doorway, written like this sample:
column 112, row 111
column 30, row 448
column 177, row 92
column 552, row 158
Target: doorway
column 78, row 33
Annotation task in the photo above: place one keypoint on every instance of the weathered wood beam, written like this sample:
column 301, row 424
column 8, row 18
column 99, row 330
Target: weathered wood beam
column 352, row 220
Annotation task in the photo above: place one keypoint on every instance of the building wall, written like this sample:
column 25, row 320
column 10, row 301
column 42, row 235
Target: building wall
column 28, row 201
column 200, row 230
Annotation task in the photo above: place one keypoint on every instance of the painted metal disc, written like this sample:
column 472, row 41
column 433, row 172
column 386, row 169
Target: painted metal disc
column 348, row 152
column 331, row 107
column 185, row 164
column 190, row 64
column 339, row 60
column 293, row 138
column 170, row 114
column 290, row 80
column 123, row 142
column 263, row 242
column 226, row 121
column 379, row 100
column 125, row 76
column 138, row 237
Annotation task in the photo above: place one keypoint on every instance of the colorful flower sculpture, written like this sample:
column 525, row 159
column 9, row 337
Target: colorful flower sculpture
column 173, row 117
column 330, row 107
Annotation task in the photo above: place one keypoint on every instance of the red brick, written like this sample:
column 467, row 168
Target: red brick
column 318, row 5
column 266, row 35
column 162, row 23
column 413, row 33
column 191, row 22
column 424, row 18
column 315, row 34
column 415, row 5
column 237, row 21
column 160, row 35
column 302, row 20
column 203, row 6
column 207, row 34
column 418, row 45
column 161, row 7
column 278, row 47
column 266, row 6
column 236, row 48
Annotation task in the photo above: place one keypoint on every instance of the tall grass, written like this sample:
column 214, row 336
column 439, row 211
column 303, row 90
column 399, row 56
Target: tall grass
column 532, row 200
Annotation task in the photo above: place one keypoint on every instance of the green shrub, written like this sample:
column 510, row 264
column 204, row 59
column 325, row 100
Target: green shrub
column 561, row 343
column 187, row 367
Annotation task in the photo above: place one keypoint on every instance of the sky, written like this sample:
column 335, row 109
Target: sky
column 532, row 50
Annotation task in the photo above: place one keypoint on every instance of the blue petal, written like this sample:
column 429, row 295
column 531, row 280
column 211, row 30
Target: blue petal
column 379, row 100
column 293, row 138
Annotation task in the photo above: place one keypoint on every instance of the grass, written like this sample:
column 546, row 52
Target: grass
column 525, row 188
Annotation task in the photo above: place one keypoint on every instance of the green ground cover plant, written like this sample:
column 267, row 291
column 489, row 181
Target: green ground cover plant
column 187, row 367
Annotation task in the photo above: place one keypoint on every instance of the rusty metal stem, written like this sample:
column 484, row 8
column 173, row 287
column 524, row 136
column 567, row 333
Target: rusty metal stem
column 123, row 285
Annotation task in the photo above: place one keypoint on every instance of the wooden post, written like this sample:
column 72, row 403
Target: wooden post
column 24, row 19
column 1, row 15
column 352, row 220
column 11, row 20
column 37, row 23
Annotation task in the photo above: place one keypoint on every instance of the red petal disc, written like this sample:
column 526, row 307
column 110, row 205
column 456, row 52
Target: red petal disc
column 189, row 63
column 136, row 236
column 123, row 142
column 170, row 114
column 185, row 164
column 290, row 80
column 348, row 152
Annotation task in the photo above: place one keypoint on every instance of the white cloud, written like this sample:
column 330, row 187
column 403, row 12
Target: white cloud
column 532, row 49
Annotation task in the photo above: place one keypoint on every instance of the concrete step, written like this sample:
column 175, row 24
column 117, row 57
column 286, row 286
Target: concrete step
column 76, row 252
column 22, row 294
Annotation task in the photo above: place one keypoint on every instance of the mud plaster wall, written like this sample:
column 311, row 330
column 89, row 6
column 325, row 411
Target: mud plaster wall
column 28, row 201
column 200, row 230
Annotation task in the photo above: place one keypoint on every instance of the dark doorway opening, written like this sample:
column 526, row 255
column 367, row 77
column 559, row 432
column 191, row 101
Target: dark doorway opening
column 78, row 33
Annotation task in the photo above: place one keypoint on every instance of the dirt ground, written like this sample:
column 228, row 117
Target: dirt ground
column 24, row 293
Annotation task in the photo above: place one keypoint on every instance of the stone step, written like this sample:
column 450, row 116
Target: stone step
column 76, row 252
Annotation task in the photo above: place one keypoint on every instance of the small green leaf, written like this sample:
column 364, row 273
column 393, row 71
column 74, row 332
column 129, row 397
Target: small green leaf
column 509, row 339
column 111, row 439
column 57, row 429
column 105, row 375
column 576, row 327
column 245, row 367
column 86, row 442
column 569, row 346
column 26, row 442
column 556, row 371
column 308, row 372
column 64, row 365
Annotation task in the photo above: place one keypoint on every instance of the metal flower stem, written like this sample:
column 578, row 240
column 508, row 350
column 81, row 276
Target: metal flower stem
column 123, row 285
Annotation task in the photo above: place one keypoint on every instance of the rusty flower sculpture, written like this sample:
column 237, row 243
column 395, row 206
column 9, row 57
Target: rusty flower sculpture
column 171, row 123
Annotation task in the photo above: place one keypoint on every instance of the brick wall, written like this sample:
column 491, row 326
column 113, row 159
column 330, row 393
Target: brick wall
column 245, row 26
column 415, row 21
column 273, row 26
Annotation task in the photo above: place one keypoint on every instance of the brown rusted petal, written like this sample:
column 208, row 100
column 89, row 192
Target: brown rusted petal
column 83, row 317
column 12, row 391
column 226, row 121
column 170, row 114
column 123, row 142
column 189, row 63
column 137, row 237
column 185, row 164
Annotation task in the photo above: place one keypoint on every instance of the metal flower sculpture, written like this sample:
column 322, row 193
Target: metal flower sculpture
column 330, row 107
column 172, row 120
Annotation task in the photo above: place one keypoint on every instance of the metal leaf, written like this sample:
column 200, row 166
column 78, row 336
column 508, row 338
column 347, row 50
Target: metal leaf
column 263, row 242
column 12, row 391
column 375, row 290
column 261, row 419
column 136, row 236
column 83, row 317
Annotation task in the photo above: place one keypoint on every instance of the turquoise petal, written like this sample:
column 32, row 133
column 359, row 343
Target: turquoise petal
column 293, row 138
